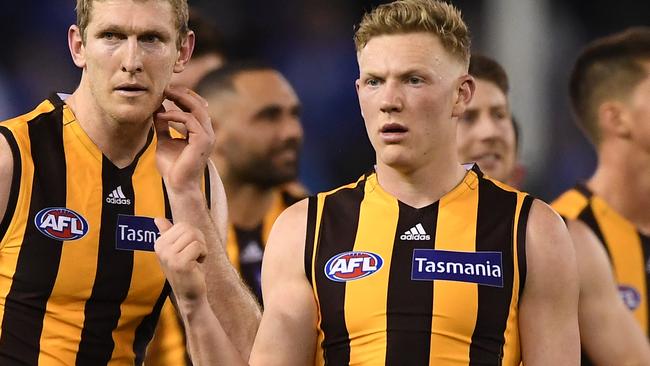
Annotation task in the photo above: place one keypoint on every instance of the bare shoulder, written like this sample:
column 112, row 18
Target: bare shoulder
column 590, row 252
column 546, row 229
column 6, row 173
column 289, row 231
column 550, row 255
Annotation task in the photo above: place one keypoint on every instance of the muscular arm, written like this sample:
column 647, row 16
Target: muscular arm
column 181, row 163
column 608, row 331
column 548, row 309
column 6, row 173
column 287, row 334
column 229, row 297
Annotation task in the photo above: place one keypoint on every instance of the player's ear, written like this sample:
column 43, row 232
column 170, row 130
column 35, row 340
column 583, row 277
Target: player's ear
column 185, row 51
column 464, row 94
column 76, row 46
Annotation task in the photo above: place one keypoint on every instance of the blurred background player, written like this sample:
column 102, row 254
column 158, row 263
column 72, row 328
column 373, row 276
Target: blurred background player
column 256, row 116
column 487, row 133
column 610, row 96
column 209, row 51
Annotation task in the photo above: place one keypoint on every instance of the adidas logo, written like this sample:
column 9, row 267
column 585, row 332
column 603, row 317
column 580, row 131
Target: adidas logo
column 415, row 233
column 117, row 197
column 252, row 253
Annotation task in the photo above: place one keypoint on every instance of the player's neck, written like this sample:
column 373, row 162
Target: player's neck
column 119, row 142
column 247, row 203
column 622, row 179
column 421, row 186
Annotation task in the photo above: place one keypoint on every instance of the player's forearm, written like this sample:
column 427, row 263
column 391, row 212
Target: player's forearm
column 208, row 342
column 230, row 299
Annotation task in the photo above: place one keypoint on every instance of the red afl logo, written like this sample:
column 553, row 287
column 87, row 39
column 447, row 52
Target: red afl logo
column 60, row 223
column 350, row 266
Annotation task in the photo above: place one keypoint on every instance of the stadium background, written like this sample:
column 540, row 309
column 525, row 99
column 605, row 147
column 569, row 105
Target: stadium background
column 310, row 41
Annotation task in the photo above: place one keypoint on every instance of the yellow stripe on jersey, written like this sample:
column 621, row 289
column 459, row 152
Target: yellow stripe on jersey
column 623, row 242
column 626, row 253
column 365, row 302
column 455, row 231
column 66, row 299
column 61, row 331
column 361, row 258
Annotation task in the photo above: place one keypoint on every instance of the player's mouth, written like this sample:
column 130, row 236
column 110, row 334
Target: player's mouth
column 131, row 89
column 393, row 132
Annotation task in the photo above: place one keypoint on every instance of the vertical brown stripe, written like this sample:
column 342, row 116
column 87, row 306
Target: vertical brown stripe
column 410, row 303
column 340, row 219
column 15, row 181
column 587, row 216
column 145, row 330
column 309, row 237
column 494, row 233
column 113, row 278
column 521, row 242
column 38, row 261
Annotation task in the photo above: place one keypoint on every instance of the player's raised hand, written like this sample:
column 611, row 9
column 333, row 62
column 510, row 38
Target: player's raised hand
column 181, row 162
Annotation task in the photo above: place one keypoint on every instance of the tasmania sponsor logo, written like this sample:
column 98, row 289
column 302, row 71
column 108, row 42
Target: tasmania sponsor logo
column 483, row 268
column 135, row 233
column 351, row 266
column 630, row 296
column 60, row 223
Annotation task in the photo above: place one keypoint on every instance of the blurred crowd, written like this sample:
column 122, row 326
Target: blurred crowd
column 309, row 42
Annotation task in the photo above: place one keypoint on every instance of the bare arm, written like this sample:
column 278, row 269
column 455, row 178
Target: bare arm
column 287, row 335
column 608, row 331
column 181, row 164
column 229, row 298
column 6, row 174
column 548, row 310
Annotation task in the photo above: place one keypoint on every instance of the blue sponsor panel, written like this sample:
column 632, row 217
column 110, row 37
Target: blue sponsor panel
column 483, row 268
column 60, row 223
column 135, row 233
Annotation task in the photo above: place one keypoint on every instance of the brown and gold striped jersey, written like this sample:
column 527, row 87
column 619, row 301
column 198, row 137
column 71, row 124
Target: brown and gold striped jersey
column 67, row 294
column 438, row 285
column 627, row 248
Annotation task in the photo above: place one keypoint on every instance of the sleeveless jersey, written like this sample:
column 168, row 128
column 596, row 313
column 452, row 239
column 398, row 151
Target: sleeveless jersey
column 439, row 285
column 67, row 295
column 628, row 250
column 245, row 247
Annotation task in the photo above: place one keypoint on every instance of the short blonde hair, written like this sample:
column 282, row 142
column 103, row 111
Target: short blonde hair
column 409, row 16
column 85, row 7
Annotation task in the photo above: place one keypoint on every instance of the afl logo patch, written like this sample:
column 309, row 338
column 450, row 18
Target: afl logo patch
column 60, row 223
column 630, row 296
column 351, row 266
